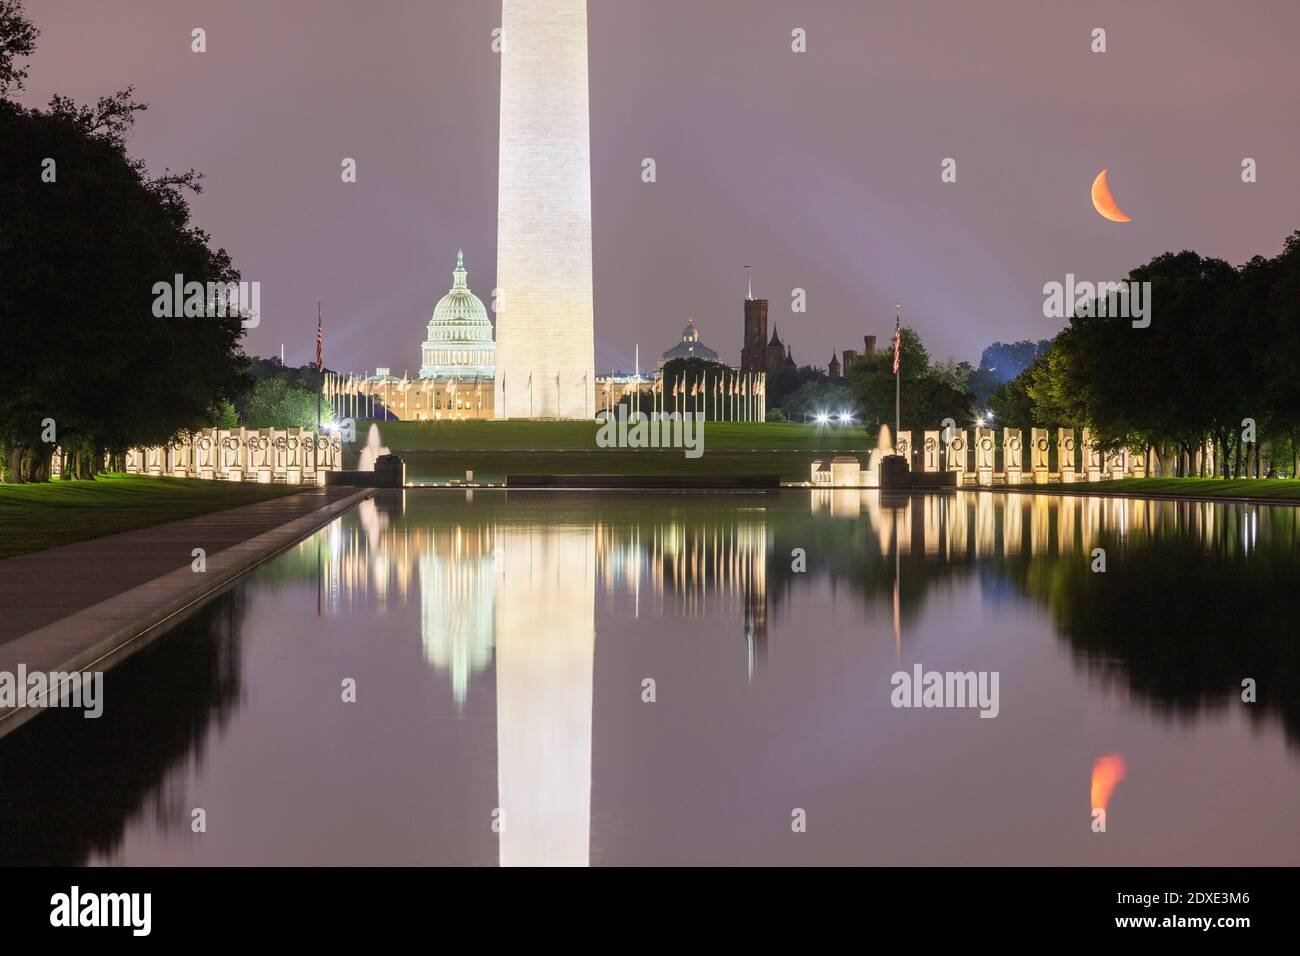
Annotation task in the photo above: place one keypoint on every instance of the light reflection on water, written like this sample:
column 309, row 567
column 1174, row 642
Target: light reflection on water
column 501, row 643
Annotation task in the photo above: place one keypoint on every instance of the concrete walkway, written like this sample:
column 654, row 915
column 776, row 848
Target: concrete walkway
column 88, row 603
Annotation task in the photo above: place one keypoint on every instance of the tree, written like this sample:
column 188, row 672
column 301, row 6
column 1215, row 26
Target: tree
column 17, row 39
column 928, row 393
column 1278, row 327
column 278, row 403
column 817, row 396
column 981, row 383
column 1006, row 360
column 1216, row 363
column 931, row 399
column 1011, row 405
column 82, row 252
column 952, row 373
column 784, row 381
column 226, row 417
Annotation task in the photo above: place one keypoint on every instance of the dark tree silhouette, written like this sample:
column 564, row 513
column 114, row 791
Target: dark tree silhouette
column 85, row 233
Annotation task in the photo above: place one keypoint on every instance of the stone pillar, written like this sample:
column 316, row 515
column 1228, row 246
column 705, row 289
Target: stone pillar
column 1065, row 454
column 1115, row 464
column 1011, row 455
column 280, row 455
column 957, row 454
column 207, row 453
column 258, row 444
column 930, row 452
column 179, row 466
column 293, row 455
column 903, row 447
column 1137, row 463
column 336, row 453
column 1092, row 456
column 229, row 454
column 985, row 455
column 1040, row 455
column 311, row 459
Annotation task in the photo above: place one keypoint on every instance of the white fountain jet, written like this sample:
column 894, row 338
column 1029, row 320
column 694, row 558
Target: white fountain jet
column 884, row 446
column 368, row 454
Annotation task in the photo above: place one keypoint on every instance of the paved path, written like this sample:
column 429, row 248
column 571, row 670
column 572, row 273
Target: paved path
column 44, row 586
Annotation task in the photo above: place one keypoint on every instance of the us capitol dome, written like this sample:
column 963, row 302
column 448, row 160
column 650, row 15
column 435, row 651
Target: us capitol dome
column 460, row 341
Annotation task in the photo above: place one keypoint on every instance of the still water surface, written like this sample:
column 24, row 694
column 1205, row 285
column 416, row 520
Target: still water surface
column 500, row 645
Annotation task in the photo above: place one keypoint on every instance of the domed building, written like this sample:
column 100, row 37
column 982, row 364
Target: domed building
column 690, row 346
column 457, row 372
column 460, row 342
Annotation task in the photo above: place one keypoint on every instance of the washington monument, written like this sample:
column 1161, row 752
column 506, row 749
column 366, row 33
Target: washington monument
column 545, row 362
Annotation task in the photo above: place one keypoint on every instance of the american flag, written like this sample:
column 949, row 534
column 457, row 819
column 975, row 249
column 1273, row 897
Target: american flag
column 898, row 343
column 320, row 344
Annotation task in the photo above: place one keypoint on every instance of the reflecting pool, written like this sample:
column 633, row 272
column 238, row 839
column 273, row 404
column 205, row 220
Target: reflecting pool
column 532, row 677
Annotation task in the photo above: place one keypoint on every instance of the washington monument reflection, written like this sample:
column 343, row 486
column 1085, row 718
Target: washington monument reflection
column 495, row 591
column 545, row 646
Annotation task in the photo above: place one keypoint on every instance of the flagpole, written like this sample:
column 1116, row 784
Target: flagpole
column 320, row 386
column 898, row 371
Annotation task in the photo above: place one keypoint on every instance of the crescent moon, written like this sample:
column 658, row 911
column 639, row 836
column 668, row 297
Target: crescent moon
column 1104, row 202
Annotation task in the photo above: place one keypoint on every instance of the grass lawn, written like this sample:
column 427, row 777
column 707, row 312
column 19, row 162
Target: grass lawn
column 1281, row 489
column 46, row 515
column 440, row 451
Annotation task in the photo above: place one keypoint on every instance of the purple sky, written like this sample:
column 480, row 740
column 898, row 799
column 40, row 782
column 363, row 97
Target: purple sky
column 820, row 169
